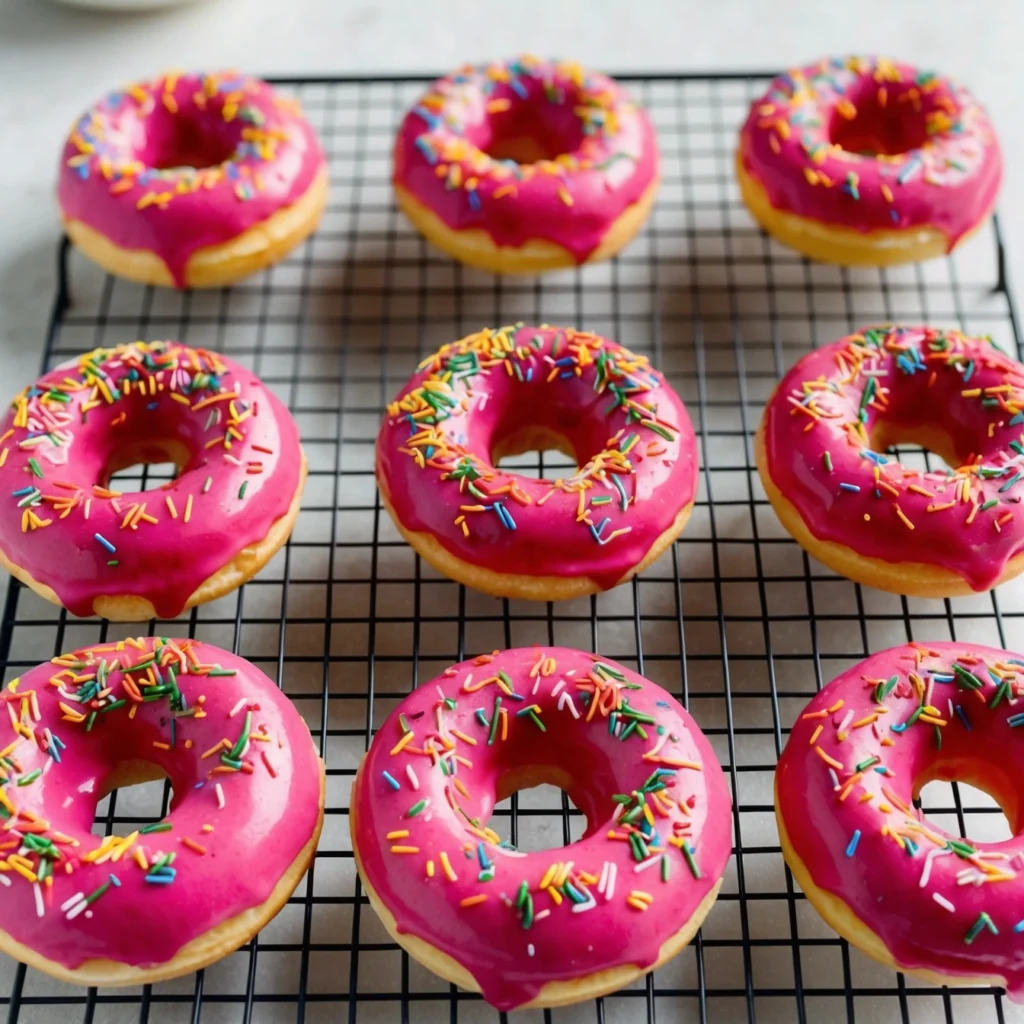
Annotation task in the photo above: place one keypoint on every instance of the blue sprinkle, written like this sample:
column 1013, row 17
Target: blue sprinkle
column 880, row 768
column 943, row 677
column 1017, row 420
column 115, row 881
column 159, row 879
column 504, row 515
column 969, row 371
column 152, row 405
column 199, row 785
column 474, row 199
column 106, row 543
column 481, row 718
column 835, row 778
column 894, row 216
column 22, row 492
column 426, row 149
column 962, row 715
column 852, row 848
column 482, row 856
column 518, row 88
column 1014, row 720
column 1019, row 926
column 849, row 487
column 391, row 781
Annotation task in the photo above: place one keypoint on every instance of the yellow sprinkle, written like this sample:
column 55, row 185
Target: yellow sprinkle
column 170, row 507
column 446, row 866
column 402, row 743
column 405, row 849
column 401, row 833
column 430, row 869
column 188, row 509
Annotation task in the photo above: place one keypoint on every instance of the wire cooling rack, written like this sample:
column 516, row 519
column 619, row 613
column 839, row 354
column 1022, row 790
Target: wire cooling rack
column 735, row 619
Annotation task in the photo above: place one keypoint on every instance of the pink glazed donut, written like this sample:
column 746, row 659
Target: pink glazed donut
column 130, row 556
column 868, row 161
column 556, row 926
column 518, row 389
column 866, row 515
column 191, row 180
column 526, row 165
column 171, row 897
column 908, row 894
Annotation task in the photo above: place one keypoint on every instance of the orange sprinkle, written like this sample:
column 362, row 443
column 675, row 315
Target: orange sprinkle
column 193, row 845
column 838, row 765
column 405, row 849
column 402, row 743
column 446, row 866
column 816, row 734
column 472, row 901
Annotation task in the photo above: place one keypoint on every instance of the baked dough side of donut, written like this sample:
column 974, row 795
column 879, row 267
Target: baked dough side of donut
column 215, row 265
column 838, row 915
column 475, row 247
column 249, row 561
column 530, row 588
column 845, row 246
column 914, row 579
column 202, row 951
column 552, row 994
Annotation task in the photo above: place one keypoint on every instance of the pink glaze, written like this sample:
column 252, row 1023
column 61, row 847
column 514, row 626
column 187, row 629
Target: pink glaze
column 602, row 148
column 844, row 792
column 964, row 520
column 185, row 162
column 241, row 471
column 515, row 920
column 66, row 738
column 920, row 150
column 629, row 430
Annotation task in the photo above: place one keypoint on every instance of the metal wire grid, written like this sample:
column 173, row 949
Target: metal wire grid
column 736, row 620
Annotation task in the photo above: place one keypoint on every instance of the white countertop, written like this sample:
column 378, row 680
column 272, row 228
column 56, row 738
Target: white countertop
column 55, row 60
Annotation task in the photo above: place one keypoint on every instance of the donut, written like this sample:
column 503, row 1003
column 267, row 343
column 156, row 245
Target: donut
column 191, row 180
column 509, row 924
column 526, row 165
column 517, row 389
column 868, row 161
column 170, row 897
column 82, row 544
column 820, row 452
column 891, row 882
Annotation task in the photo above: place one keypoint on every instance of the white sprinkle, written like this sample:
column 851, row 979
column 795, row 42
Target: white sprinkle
column 440, row 692
column 465, row 684
column 561, row 683
column 874, row 373
column 943, row 902
column 541, row 915
column 536, row 684
column 220, row 796
column 88, row 505
column 231, row 459
column 69, row 903
column 846, row 721
column 566, row 701
column 40, row 909
column 571, row 672
column 412, row 776
column 238, row 707
column 580, row 908
column 77, row 909
column 529, row 948
column 602, row 881
column 609, row 889
column 5, row 880
column 88, row 786
column 951, row 711
column 645, row 864
column 932, row 854
column 68, row 801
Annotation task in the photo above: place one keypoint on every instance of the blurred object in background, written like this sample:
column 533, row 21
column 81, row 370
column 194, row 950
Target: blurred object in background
column 126, row 5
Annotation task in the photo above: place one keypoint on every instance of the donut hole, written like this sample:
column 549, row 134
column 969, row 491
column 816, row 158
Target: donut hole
column 529, row 131
column 144, row 465
column 522, row 449
column 134, row 793
column 984, row 794
column 886, row 438
column 880, row 127
column 543, row 796
column 182, row 141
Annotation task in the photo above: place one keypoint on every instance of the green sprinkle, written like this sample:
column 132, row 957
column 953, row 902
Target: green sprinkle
column 494, row 721
column 27, row 780
column 664, row 868
column 882, row 690
column 967, row 678
column 868, row 763
column 113, row 561
column 688, row 853
column 828, row 461
column 984, row 921
column 521, row 896
column 1003, row 691
column 416, row 808
column 536, row 721
column 159, row 826
column 35, row 468
column 528, row 911
column 90, row 721
column 241, row 490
